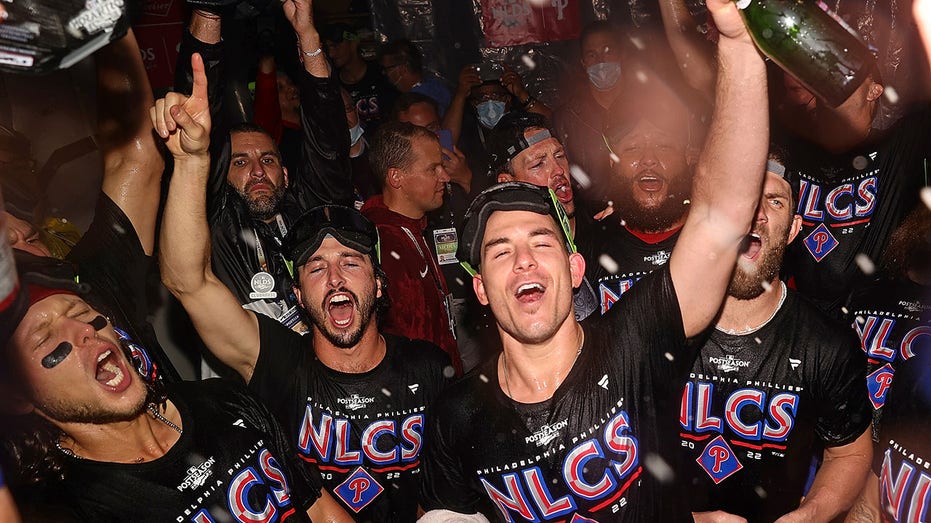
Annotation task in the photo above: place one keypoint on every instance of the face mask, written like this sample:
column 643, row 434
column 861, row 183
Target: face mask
column 489, row 113
column 355, row 134
column 605, row 75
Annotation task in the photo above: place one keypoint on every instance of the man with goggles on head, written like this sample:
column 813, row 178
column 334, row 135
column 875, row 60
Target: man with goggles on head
column 578, row 421
column 353, row 400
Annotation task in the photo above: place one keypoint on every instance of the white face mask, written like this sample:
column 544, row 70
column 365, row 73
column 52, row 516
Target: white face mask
column 355, row 134
column 604, row 75
column 490, row 112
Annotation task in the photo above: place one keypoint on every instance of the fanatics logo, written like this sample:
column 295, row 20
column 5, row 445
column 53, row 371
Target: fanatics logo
column 794, row 363
column 414, row 388
column 355, row 402
column 358, row 490
column 197, row 475
column 603, row 382
column 718, row 460
column 239, row 423
column 547, row 433
column 728, row 363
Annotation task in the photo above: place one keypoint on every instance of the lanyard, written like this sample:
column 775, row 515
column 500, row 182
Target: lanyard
column 259, row 251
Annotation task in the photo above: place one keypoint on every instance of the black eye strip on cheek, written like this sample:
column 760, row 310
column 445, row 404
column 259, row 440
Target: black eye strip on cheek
column 98, row 323
column 57, row 356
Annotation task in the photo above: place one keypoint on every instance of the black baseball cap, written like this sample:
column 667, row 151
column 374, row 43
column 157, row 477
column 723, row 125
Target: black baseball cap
column 346, row 224
column 508, row 196
column 507, row 139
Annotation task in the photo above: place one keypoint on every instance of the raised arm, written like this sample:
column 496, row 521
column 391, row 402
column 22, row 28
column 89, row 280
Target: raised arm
column 132, row 163
column 229, row 331
column 324, row 174
column 452, row 120
column 728, row 178
column 691, row 49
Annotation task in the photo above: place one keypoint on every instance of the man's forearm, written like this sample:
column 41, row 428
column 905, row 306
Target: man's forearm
column 185, row 236
column 731, row 166
column 133, row 164
column 837, row 483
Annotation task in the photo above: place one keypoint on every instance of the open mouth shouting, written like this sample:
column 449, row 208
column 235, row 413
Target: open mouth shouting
column 340, row 308
column 529, row 292
column 753, row 244
column 111, row 370
column 650, row 182
column 562, row 188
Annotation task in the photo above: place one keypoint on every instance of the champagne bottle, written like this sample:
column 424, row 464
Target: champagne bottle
column 811, row 43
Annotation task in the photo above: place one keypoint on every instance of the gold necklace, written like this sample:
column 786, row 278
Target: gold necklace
column 504, row 364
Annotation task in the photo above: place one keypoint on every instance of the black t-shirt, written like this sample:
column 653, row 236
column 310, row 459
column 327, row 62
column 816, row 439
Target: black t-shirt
column 633, row 257
column 850, row 203
column 364, row 431
column 886, row 314
column 232, row 463
column 374, row 97
column 111, row 260
column 755, row 404
column 902, row 459
column 590, row 449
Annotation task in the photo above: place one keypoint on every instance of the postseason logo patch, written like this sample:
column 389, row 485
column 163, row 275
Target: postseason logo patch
column 358, row 490
column 718, row 460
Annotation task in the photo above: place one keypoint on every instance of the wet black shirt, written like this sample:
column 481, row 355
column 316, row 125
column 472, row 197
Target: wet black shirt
column 756, row 404
column 364, row 431
column 587, row 450
column 850, row 203
column 232, row 463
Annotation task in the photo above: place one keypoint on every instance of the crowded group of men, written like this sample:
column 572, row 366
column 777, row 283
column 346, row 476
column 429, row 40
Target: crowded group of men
column 671, row 298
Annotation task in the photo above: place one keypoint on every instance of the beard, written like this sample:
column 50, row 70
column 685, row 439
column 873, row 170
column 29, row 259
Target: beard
column 264, row 206
column 341, row 338
column 747, row 281
column 654, row 218
column 69, row 412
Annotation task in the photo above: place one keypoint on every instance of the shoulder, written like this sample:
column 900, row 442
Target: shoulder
column 813, row 327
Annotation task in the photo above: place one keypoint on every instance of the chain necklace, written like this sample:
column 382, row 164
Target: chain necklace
column 504, row 363
column 748, row 330
column 153, row 410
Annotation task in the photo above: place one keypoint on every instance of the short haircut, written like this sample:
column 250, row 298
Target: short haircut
column 392, row 147
column 406, row 50
column 600, row 26
column 249, row 127
column 404, row 101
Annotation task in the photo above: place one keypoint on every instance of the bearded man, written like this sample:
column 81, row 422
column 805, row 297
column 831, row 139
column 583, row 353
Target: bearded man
column 775, row 379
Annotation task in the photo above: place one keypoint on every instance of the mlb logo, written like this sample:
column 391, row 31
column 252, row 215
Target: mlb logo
column 358, row 490
column 878, row 383
column 718, row 460
column 820, row 242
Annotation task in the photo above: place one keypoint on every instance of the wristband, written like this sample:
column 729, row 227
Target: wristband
column 312, row 54
column 526, row 104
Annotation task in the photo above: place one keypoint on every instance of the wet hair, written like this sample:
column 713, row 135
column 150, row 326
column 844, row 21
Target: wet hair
column 392, row 147
column 406, row 51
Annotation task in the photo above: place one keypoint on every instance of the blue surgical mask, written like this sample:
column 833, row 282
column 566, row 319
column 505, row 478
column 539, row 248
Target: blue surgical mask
column 490, row 112
column 604, row 75
column 355, row 134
